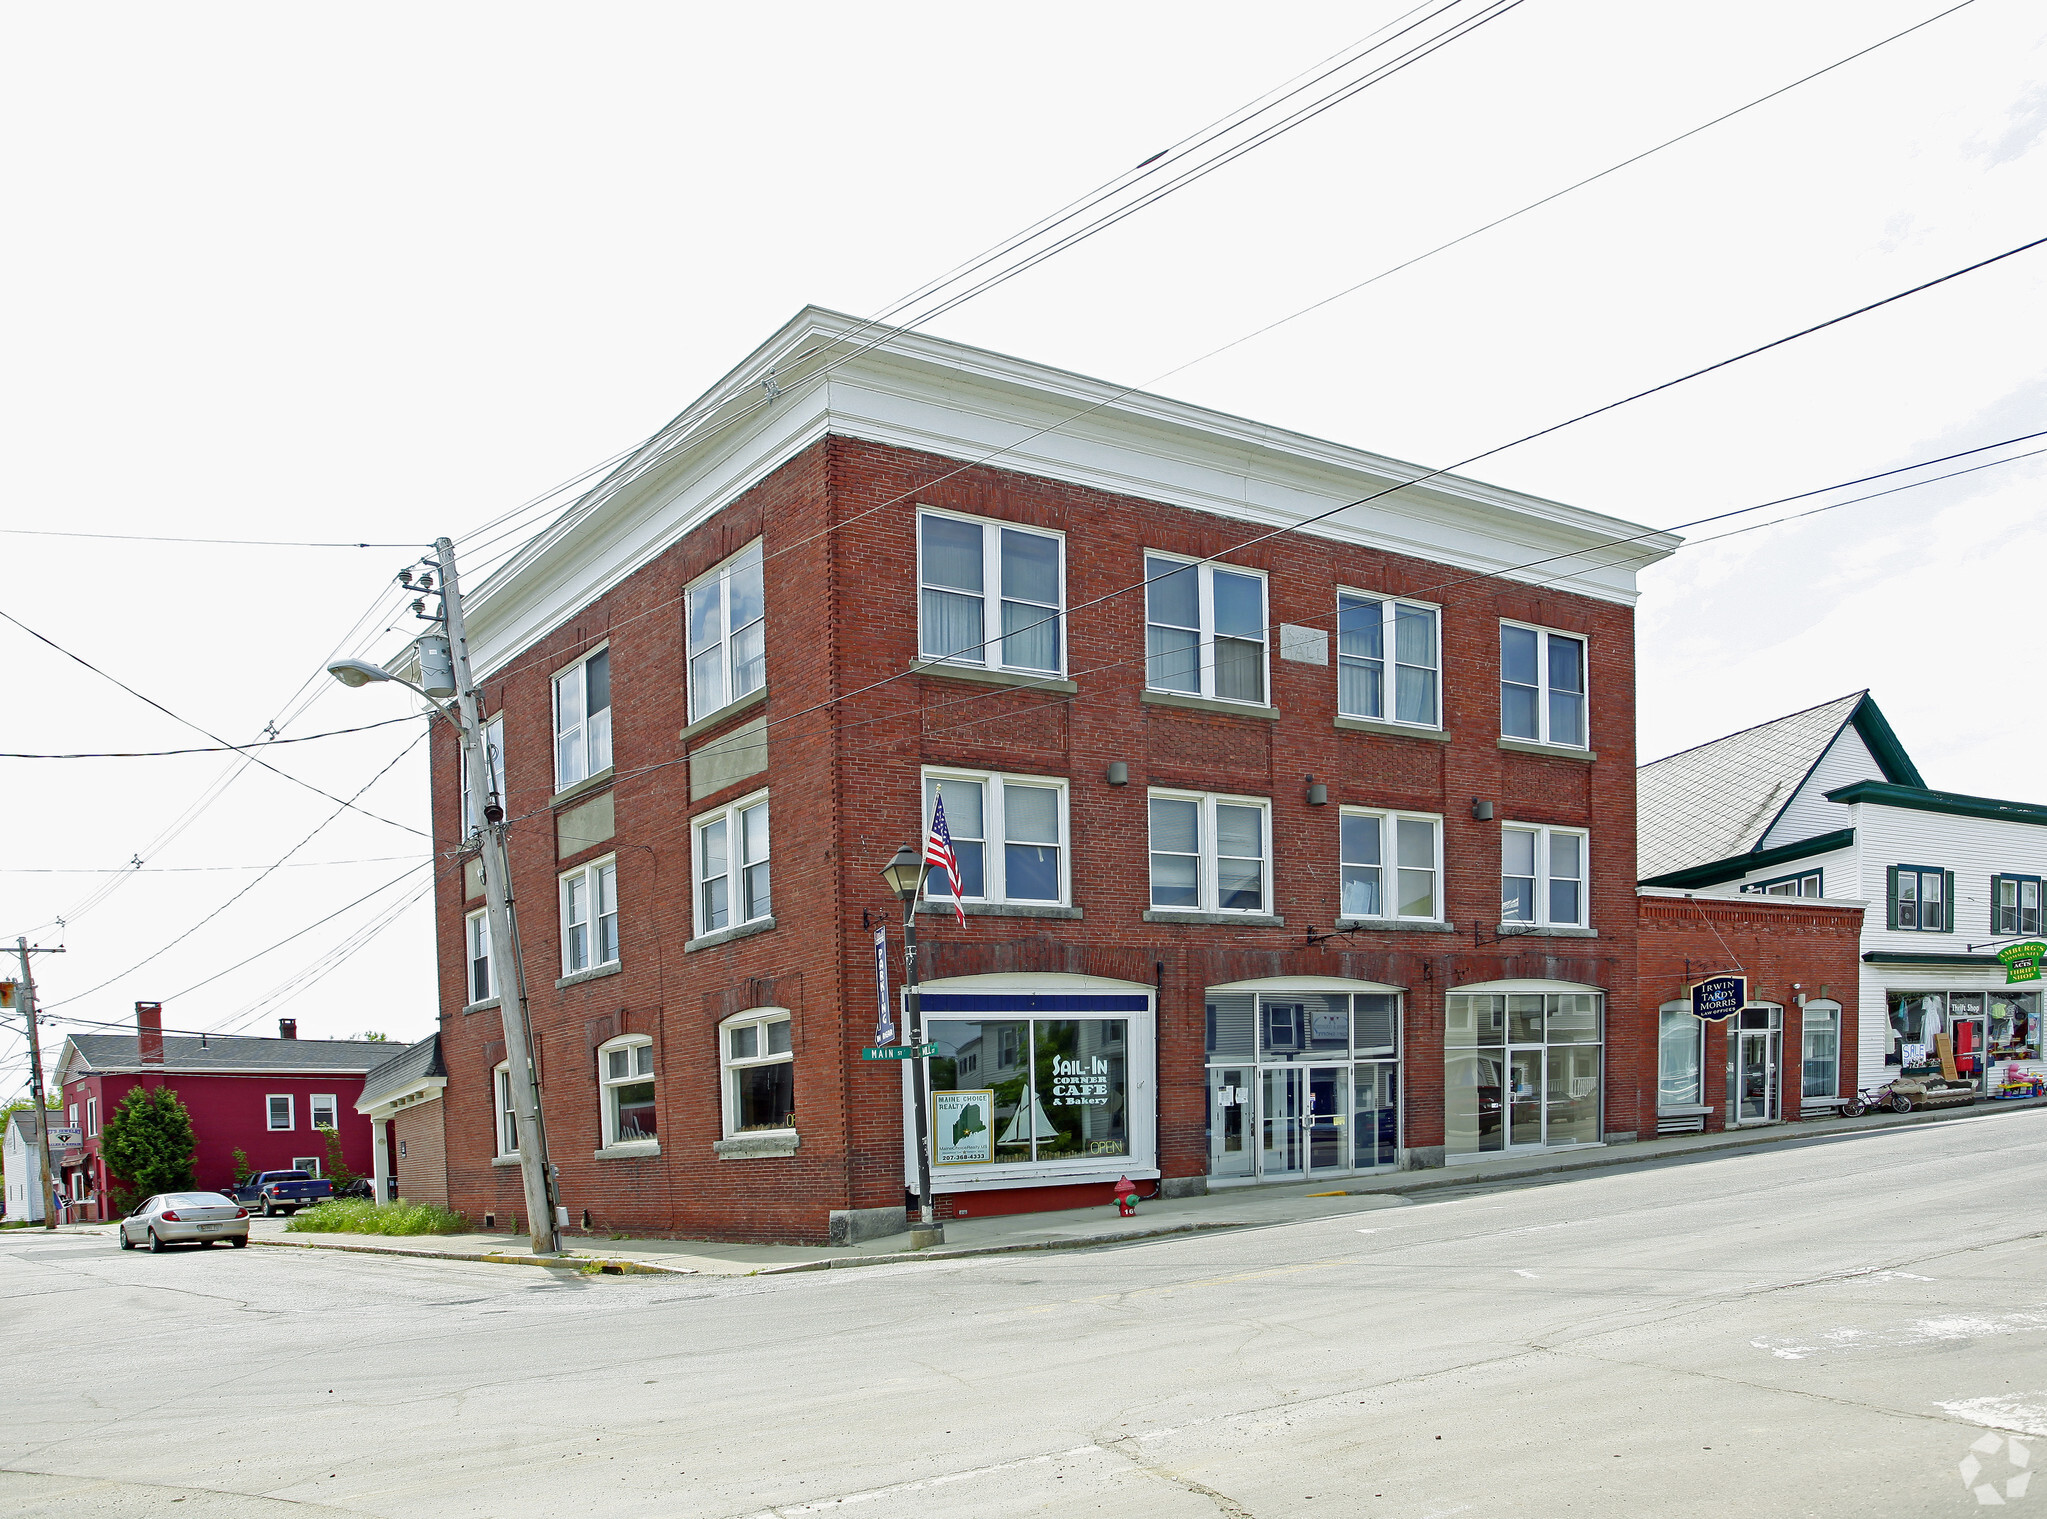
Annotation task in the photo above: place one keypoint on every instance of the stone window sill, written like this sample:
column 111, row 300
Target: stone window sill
column 1554, row 751
column 771, row 1144
column 1532, row 931
column 730, row 710
column 1205, row 704
column 589, row 783
column 943, row 909
column 1234, row 919
column 997, row 677
column 727, row 935
column 1390, row 730
column 631, row 1149
column 1395, row 925
column 504, row 1160
column 595, row 973
column 485, row 1005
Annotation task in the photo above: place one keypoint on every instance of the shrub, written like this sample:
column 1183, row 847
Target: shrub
column 354, row 1215
column 148, row 1142
column 338, row 1171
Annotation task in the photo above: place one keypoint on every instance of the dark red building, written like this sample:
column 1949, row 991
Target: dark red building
column 1299, row 836
column 265, row 1097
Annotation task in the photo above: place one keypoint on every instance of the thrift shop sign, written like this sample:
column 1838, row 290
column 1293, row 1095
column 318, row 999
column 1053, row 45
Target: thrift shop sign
column 2022, row 961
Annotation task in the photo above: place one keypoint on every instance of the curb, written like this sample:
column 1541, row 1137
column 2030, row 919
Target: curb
column 606, row 1265
column 900, row 1257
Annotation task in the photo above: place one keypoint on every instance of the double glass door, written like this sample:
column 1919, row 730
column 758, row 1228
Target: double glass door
column 1302, row 1120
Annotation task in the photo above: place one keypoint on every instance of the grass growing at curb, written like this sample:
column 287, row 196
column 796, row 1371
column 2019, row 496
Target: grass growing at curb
column 361, row 1216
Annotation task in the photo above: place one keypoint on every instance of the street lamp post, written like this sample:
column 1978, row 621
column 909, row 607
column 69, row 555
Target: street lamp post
column 905, row 877
column 542, row 1219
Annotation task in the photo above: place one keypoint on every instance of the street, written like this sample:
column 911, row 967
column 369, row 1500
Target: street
column 1815, row 1328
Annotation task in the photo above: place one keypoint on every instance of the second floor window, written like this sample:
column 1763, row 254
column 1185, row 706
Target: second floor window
column 1208, row 853
column 582, row 720
column 482, row 983
column 626, row 1071
column 727, row 634
column 1391, row 864
column 280, row 1113
column 590, row 917
column 2014, row 906
column 1204, row 630
column 990, row 594
column 1922, row 899
column 1008, row 836
column 1542, row 686
column 1386, row 660
column 732, row 866
column 1542, row 876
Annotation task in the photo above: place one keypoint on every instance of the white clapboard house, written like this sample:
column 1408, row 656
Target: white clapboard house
column 1826, row 803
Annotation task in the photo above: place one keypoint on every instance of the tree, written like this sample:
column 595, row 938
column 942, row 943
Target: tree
column 243, row 1170
column 337, row 1168
column 148, row 1142
column 373, row 1037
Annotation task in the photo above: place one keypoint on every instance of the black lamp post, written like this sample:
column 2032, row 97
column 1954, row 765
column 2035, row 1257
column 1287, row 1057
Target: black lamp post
column 905, row 877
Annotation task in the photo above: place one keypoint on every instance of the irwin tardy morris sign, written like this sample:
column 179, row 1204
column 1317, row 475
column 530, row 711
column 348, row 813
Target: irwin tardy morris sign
column 1719, row 997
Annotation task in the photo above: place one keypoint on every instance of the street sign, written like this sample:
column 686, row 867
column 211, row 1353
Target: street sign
column 2022, row 961
column 898, row 1051
column 1719, row 997
column 884, row 1025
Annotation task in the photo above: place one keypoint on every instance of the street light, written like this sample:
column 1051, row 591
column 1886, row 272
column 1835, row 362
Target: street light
column 356, row 673
column 905, row 877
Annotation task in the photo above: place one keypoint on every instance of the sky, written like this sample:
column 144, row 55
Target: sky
column 380, row 273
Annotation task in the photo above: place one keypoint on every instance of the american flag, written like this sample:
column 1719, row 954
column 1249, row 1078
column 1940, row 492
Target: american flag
column 938, row 851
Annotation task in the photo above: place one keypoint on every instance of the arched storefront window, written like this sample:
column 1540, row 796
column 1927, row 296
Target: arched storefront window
column 1522, row 1067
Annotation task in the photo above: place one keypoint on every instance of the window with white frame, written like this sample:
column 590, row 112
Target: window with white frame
column 1388, row 660
column 1392, row 865
column 590, row 916
column 760, row 1072
column 1821, row 1034
column 625, row 1071
column 505, row 1120
column 1008, row 836
column 1542, row 875
column 1204, row 629
column 732, row 865
column 482, row 976
column 1209, row 853
column 1805, row 884
column 990, row 593
column 280, row 1106
column 2014, row 905
column 325, row 1110
column 1680, row 1056
column 1542, row 685
column 494, row 754
column 727, row 634
column 1921, row 899
column 310, row 1164
column 582, row 719
column 92, row 1115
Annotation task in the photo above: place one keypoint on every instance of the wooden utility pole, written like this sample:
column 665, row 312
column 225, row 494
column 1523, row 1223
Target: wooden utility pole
column 35, row 1078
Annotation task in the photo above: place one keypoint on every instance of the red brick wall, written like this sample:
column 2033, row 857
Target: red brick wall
column 845, row 782
column 422, row 1170
column 1785, row 946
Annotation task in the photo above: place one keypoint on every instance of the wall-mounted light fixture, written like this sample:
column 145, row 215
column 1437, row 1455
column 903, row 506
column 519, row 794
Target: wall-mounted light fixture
column 1482, row 811
column 1119, row 773
column 1318, row 794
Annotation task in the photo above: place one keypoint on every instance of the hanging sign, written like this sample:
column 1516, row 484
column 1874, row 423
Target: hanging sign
column 884, row 1020
column 962, row 1128
column 1719, row 997
column 2022, row 961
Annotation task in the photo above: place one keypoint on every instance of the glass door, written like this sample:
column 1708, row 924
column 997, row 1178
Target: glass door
column 1524, row 1097
column 1756, row 1074
column 1374, row 1124
column 1282, row 1101
column 1328, row 1117
column 1229, row 1121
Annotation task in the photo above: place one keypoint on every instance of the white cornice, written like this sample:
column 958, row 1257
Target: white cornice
column 966, row 403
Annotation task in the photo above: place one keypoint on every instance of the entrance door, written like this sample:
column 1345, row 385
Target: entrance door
column 1229, row 1121
column 1374, row 1127
column 1971, row 1057
column 1756, row 1073
column 1524, row 1097
column 1283, row 1104
column 1328, row 1117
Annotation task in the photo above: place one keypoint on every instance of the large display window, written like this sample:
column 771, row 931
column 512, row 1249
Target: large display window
column 1521, row 1067
column 1982, row 1029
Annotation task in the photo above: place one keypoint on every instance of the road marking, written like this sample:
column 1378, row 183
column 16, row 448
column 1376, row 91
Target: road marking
column 2002, row 1413
column 1529, row 1274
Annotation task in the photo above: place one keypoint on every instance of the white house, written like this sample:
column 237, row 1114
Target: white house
column 21, row 1157
column 1826, row 803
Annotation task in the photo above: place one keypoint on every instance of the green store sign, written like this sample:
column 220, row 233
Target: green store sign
column 2022, row 961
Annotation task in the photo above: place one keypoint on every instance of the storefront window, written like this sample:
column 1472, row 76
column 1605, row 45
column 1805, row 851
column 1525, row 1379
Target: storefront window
column 1029, row 1090
column 1680, row 1057
column 1302, row 1082
column 1822, row 1053
column 1521, row 1069
column 2014, row 1025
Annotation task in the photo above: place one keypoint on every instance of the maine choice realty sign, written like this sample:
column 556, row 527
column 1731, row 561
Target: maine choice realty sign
column 1719, row 997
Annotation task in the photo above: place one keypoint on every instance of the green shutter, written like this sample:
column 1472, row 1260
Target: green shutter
column 1997, row 891
column 1947, row 906
column 1891, row 897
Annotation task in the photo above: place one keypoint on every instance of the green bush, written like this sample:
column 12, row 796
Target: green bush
column 358, row 1215
column 148, row 1143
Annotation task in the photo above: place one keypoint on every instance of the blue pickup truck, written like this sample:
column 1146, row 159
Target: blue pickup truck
column 275, row 1192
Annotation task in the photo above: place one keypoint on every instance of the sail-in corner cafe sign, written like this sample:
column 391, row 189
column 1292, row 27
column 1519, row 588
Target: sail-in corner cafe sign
column 2022, row 961
column 1719, row 997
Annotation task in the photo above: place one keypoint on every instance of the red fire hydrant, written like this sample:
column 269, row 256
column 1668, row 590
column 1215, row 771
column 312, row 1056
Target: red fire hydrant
column 1126, row 1198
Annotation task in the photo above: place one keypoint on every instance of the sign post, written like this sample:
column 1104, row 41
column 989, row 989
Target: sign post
column 1718, row 998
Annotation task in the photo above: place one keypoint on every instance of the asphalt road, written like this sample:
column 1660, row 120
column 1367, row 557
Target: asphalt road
column 1819, row 1328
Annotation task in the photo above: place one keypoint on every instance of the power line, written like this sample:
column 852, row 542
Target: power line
column 172, row 870
column 261, row 543
column 268, row 743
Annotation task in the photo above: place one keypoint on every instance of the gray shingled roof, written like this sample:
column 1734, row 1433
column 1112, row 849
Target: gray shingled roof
column 119, row 1052
column 411, row 1063
column 1716, row 801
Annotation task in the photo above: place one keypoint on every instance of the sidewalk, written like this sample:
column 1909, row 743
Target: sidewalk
column 1225, row 1208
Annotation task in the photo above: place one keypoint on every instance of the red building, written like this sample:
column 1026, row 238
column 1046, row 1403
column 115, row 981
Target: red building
column 1299, row 836
column 267, row 1098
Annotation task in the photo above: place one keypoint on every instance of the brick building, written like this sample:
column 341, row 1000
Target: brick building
column 1298, row 836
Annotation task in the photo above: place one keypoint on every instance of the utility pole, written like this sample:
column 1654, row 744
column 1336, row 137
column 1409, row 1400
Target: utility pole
column 542, row 1220
column 35, row 1078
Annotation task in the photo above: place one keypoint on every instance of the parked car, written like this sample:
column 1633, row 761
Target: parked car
column 274, row 1192
column 185, row 1218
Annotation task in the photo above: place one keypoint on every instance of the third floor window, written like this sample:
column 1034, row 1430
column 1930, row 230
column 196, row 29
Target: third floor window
column 1542, row 686
column 582, row 720
column 1387, row 662
column 727, row 634
column 1204, row 631
column 990, row 594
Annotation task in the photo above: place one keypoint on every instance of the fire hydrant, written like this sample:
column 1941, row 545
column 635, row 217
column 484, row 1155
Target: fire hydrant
column 1126, row 1198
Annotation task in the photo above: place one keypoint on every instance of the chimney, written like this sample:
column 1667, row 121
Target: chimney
column 149, row 1032
column 287, row 1028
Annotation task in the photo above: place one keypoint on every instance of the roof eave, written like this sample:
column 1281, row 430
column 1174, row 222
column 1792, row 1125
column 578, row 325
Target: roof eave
column 1719, row 872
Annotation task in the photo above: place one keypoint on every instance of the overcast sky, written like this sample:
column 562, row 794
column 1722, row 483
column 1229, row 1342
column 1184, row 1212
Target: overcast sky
column 384, row 272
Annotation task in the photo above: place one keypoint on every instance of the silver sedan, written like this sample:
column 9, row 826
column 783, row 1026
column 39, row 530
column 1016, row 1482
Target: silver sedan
column 185, row 1218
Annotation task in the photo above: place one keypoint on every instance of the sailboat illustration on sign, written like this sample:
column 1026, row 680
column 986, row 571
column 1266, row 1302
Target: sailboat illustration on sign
column 1042, row 1127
